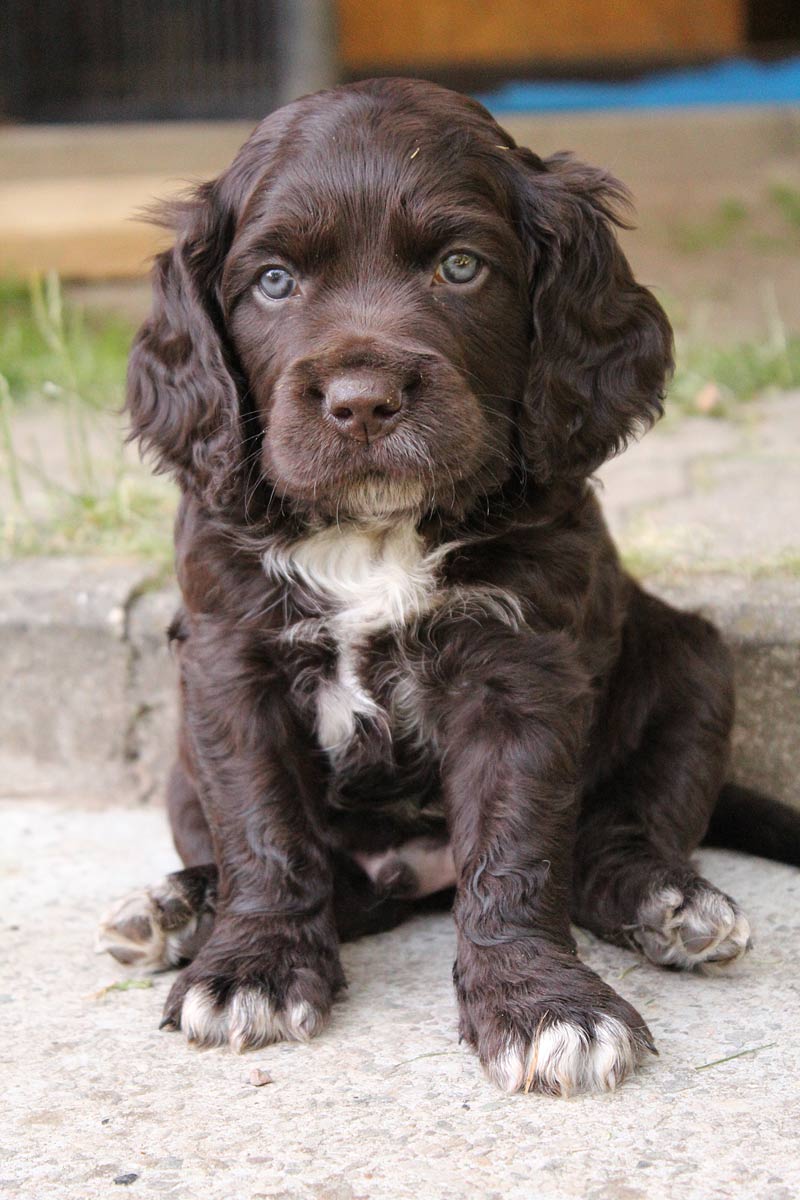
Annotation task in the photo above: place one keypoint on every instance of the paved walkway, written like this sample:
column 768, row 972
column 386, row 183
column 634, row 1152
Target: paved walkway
column 704, row 494
column 697, row 494
column 385, row 1105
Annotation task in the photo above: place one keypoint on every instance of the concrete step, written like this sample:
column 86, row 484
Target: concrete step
column 88, row 689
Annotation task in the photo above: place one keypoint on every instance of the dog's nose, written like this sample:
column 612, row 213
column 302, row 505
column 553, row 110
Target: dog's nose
column 364, row 404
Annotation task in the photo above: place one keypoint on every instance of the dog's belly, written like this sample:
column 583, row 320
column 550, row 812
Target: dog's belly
column 418, row 867
column 383, row 784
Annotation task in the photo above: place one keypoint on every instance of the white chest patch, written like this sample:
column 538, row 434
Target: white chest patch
column 372, row 577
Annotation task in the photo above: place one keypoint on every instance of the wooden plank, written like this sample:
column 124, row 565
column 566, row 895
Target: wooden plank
column 401, row 33
column 84, row 228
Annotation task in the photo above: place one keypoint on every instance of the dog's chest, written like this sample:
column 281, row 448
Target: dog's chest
column 364, row 581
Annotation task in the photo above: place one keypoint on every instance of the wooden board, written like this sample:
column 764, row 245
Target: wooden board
column 401, row 33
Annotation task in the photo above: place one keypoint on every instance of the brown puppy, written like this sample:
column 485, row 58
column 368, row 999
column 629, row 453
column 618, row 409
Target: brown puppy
column 387, row 351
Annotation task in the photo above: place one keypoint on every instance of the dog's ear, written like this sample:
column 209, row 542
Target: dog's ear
column 602, row 346
column 182, row 398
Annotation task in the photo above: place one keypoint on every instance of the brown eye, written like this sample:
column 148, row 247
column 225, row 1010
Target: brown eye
column 459, row 267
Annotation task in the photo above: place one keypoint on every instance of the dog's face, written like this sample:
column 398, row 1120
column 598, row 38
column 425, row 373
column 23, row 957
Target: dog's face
column 384, row 305
column 378, row 304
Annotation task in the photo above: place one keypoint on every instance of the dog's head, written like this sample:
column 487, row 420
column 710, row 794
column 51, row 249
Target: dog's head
column 385, row 304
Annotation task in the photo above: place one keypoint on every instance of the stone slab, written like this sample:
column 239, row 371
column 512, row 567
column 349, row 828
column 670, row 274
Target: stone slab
column 704, row 494
column 65, row 659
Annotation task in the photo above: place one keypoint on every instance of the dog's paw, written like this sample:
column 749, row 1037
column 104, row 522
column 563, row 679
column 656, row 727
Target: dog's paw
column 547, row 1023
column 698, row 928
column 246, row 997
column 249, row 1018
column 157, row 927
column 592, row 1054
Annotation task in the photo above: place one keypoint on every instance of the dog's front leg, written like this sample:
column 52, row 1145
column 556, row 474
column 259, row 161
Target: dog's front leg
column 512, row 727
column 270, row 968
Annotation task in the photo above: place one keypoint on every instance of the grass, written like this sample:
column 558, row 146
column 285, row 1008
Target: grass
column 67, row 368
column 75, row 490
column 730, row 1057
column 122, row 985
column 717, row 379
column 772, row 225
column 48, row 347
column 787, row 200
column 716, row 231
column 127, row 518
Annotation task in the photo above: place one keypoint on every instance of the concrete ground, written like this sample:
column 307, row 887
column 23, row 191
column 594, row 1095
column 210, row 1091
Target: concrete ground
column 385, row 1104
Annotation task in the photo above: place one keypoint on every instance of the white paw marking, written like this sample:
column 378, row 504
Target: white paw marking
column 201, row 1021
column 247, row 1021
column 563, row 1059
column 708, row 932
column 132, row 931
column 302, row 1021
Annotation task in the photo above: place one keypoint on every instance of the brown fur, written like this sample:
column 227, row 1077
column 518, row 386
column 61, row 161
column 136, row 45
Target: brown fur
column 570, row 732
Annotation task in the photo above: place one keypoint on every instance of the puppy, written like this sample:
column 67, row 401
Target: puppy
column 387, row 351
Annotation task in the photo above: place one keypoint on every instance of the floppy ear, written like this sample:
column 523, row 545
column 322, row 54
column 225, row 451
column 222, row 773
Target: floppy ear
column 602, row 346
column 182, row 399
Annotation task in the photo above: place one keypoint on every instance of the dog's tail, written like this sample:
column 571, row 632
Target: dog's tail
column 747, row 820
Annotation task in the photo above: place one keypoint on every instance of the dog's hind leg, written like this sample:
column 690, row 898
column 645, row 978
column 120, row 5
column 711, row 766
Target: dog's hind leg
column 190, row 831
column 162, row 926
column 165, row 925
column 664, row 737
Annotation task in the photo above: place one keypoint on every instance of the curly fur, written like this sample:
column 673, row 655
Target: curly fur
column 409, row 655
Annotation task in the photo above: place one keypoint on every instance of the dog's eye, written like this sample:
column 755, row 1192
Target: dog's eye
column 276, row 283
column 459, row 267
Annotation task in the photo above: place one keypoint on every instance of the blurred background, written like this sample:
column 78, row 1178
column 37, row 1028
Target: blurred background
column 103, row 106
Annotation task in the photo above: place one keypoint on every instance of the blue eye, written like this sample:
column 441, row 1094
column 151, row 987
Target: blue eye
column 459, row 267
column 276, row 283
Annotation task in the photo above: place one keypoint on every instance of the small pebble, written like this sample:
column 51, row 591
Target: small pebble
column 258, row 1077
column 125, row 1180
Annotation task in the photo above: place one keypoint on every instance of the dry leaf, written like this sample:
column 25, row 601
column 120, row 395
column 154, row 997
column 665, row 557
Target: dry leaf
column 708, row 398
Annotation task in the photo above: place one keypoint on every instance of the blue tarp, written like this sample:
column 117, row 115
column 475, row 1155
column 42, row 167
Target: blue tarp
column 735, row 82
